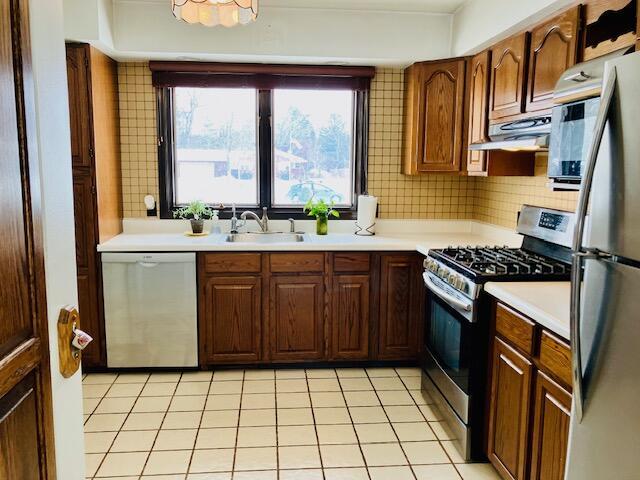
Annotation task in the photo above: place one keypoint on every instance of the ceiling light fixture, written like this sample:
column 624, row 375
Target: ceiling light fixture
column 216, row 12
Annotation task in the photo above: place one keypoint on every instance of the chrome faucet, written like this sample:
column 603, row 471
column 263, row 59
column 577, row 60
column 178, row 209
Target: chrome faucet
column 263, row 222
column 234, row 220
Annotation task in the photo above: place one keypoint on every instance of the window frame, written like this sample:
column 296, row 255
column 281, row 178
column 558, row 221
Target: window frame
column 264, row 170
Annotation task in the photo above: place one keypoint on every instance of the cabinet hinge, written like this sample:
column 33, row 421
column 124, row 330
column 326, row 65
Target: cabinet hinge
column 91, row 153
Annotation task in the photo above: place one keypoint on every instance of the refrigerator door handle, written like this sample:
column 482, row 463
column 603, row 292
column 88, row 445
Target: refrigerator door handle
column 592, row 157
column 579, row 254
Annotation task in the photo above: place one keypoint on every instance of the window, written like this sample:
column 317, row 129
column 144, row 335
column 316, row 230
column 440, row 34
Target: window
column 215, row 153
column 261, row 140
column 313, row 147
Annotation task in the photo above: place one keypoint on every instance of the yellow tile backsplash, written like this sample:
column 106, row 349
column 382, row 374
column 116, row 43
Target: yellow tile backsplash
column 494, row 200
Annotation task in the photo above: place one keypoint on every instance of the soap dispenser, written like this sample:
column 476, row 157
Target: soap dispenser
column 215, row 223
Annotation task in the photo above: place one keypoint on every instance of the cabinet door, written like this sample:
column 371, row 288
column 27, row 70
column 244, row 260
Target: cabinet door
column 296, row 317
column 80, row 114
column 230, row 319
column 436, row 93
column 350, row 317
column 399, row 307
column 550, row 429
column 89, row 274
column 554, row 48
column 508, row 60
column 509, row 411
column 479, row 68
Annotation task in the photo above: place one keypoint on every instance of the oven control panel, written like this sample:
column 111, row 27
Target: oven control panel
column 452, row 278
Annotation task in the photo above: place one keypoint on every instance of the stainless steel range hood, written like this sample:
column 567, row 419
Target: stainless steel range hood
column 531, row 134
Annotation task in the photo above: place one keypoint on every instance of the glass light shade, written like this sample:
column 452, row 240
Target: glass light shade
column 216, row 12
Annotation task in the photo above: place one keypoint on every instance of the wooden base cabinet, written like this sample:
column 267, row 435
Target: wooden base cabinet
column 400, row 307
column 231, row 326
column 296, row 318
column 550, row 429
column 350, row 299
column 308, row 307
column 530, row 402
column 509, row 411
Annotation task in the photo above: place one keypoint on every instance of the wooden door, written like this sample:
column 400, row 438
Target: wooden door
column 26, row 426
column 479, row 68
column 554, row 48
column 400, row 307
column 296, row 317
column 552, row 411
column 509, row 411
column 230, row 319
column 433, row 132
column 350, row 317
column 508, row 69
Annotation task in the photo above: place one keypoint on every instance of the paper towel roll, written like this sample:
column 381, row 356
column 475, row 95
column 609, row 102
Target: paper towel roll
column 366, row 222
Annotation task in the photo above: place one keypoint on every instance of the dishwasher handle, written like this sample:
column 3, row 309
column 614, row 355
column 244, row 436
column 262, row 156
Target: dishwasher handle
column 148, row 264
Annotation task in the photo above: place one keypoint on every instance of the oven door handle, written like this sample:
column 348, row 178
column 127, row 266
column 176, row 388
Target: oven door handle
column 444, row 295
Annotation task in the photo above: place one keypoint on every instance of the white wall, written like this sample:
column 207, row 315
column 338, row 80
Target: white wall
column 479, row 23
column 147, row 29
column 50, row 77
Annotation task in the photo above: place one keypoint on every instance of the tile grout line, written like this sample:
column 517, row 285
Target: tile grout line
column 389, row 419
column 235, row 446
column 195, row 440
column 155, row 438
column 364, row 460
column 315, row 425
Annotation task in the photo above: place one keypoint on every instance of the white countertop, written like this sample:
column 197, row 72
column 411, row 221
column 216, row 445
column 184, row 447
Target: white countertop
column 392, row 235
column 176, row 242
column 547, row 303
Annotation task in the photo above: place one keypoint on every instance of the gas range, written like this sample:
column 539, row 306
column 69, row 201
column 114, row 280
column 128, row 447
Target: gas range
column 544, row 256
column 457, row 330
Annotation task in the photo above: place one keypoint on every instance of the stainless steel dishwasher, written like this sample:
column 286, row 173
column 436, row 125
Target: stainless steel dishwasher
column 150, row 308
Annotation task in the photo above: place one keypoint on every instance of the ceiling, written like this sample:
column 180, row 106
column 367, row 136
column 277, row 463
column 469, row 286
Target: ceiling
column 425, row 6
column 422, row 6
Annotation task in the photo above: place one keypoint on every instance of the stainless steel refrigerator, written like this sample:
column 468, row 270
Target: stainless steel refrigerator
column 604, row 439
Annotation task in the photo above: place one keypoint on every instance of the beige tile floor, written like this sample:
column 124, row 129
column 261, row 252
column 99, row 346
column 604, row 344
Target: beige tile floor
column 331, row 424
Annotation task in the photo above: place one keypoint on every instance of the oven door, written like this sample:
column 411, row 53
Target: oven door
column 571, row 133
column 448, row 336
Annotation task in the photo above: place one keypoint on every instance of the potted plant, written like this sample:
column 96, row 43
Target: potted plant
column 321, row 210
column 195, row 212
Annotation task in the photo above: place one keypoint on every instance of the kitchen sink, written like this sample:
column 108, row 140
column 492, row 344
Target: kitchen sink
column 265, row 237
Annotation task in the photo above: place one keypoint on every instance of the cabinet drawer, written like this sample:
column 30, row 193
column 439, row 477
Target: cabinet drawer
column 232, row 263
column 515, row 328
column 296, row 262
column 555, row 357
column 351, row 262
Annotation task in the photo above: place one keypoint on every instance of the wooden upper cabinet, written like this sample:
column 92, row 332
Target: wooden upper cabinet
column 478, row 70
column 296, row 317
column 350, row 317
column 400, row 301
column 508, row 70
column 230, row 319
column 434, row 97
column 511, row 380
column 554, row 48
column 550, row 438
